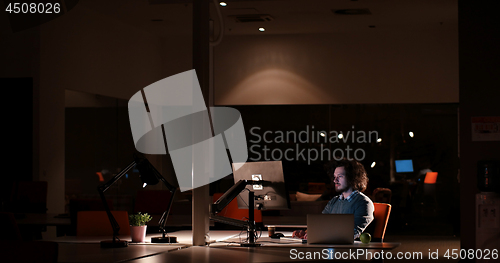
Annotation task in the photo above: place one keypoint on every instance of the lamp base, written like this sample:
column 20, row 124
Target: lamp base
column 164, row 240
column 114, row 243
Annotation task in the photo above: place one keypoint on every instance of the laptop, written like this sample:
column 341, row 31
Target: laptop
column 330, row 228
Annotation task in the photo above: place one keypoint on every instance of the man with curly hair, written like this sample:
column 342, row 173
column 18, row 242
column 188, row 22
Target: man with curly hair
column 350, row 180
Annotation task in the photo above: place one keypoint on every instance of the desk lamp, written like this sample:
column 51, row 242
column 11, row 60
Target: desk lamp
column 149, row 176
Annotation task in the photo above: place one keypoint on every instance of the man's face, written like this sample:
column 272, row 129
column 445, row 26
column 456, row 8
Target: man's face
column 339, row 180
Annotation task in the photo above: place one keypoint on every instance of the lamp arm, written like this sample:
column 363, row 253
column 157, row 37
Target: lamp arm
column 228, row 196
column 107, row 185
column 164, row 216
column 224, row 200
column 103, row 188
column 232, row 193
column 170, row 187
column 173, row 190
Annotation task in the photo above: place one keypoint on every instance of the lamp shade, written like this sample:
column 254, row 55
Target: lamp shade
column 146, row 171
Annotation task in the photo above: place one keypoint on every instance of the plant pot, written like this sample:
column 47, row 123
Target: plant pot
column 138, row 233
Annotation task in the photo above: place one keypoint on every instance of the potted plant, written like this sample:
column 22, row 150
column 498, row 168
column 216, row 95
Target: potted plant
column 138, row 226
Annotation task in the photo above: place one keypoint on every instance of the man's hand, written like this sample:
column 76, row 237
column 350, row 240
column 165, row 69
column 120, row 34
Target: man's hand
column 300, row 234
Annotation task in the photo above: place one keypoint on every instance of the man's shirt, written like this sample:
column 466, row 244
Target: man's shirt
column 356, row 203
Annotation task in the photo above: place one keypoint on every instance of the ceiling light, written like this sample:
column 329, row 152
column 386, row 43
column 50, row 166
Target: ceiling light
column 341, row 136
column 373, row 164
column 322, row 134
column 411, row 134
column 223, row 4
column 379, row 139
column 261, row 29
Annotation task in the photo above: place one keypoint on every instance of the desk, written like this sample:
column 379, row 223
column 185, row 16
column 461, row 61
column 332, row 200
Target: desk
column 32, row 225
column 252, row 255
column 88, row 249
column 33, row 219
column 92, row 252
column 266, row 241
column 220, row 250
column 184, row 238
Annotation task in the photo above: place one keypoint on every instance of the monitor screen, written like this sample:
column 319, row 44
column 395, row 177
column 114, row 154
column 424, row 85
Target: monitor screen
column 269, row 196
column 404, row 166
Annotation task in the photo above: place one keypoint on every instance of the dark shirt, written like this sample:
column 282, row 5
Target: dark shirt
column 358, row 204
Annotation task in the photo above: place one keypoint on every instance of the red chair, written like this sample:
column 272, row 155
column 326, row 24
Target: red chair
column 232, row 210
column 379, row 224
column 429, row 194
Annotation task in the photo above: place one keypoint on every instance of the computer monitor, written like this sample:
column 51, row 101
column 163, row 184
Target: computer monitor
column 404, row 166
column 272, row 194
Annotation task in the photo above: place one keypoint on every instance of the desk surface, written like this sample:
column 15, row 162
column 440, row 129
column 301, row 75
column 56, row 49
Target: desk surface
column 184, row 238
column 88, row 249
column 289, row 242
column 251, row 255
column 221, row 249
column 92, row 252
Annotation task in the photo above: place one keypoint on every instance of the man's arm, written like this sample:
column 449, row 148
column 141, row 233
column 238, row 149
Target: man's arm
column 363, row 215
column 329, row 206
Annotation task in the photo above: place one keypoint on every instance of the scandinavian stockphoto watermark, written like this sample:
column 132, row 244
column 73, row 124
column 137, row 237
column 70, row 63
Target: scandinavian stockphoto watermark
column 322, row 139
column 170, row 117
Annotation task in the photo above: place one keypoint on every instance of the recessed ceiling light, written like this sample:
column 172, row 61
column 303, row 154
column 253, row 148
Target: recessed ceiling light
column 340, row 136
column 373, row 164
column 411, row 134
column 379, row 139
column 261, row 29
column 223, row 4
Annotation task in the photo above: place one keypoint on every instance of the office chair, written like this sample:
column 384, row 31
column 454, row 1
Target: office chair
column 9, row 230
column 96, row 223
column 14, row 249
column 232, row 210
column 427, row 200
column 29, row 197
column 430, row 178
column 379, row 224
column 88, row 204
column 382, row 195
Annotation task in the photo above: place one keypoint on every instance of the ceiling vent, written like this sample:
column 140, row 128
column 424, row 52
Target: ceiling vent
column 252, row 18
column 356, row 11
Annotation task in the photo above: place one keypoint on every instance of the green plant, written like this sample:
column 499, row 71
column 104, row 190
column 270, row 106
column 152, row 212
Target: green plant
column 139, row 219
